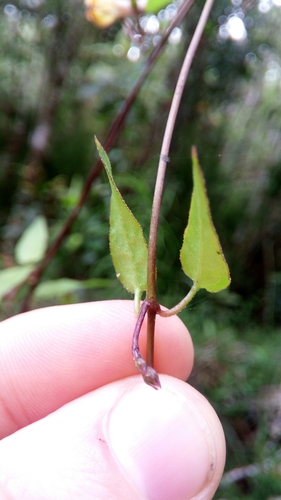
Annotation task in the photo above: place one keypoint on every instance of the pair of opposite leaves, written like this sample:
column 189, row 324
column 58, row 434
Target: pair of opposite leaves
column 201, row 254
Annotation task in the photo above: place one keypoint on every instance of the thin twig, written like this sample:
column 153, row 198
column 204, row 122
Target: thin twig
column 114, row 130
column 151, row 269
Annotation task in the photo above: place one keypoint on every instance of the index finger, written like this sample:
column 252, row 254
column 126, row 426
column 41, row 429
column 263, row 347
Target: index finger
column 51, row 356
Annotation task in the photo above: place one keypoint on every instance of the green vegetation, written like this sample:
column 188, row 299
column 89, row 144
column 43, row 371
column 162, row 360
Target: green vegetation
column 62, row 82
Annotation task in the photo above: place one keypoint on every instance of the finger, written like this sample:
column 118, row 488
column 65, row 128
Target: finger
column 124, row 441
column 51, row 356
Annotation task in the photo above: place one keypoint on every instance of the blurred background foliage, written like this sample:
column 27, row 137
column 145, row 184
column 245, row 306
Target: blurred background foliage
column 62, row 82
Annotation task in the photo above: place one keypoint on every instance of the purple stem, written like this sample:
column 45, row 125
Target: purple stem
column 150, row 376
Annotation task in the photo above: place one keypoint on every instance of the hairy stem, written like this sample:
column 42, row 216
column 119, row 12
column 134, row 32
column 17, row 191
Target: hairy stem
column 151, row 269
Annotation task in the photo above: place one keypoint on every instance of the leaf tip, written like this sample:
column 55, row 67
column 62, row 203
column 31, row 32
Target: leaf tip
column 194, row 153
column 98, row 144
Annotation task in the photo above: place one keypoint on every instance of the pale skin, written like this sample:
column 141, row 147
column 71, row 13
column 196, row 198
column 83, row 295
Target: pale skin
column 78, row 422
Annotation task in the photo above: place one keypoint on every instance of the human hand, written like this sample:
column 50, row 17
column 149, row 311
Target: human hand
column 79, row 423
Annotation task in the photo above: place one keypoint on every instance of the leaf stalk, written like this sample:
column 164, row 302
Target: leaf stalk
column 166, row 313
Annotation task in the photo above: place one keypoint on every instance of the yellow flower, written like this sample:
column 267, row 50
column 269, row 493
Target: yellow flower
column 103, row 13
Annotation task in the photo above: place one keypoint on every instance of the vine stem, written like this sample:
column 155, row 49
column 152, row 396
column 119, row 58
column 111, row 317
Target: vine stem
column 159, row 185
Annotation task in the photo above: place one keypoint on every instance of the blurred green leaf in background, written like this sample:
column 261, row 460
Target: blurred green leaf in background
column 33, row 243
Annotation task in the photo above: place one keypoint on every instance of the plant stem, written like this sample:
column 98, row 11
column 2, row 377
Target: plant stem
column 159, row 185
column 151, row 317
column 181, row 305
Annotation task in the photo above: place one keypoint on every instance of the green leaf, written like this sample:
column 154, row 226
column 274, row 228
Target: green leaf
column 156, row 5
column 13, row 276
column 32, row 244
column 64, row 286
column 201, row 254
column 127, row 244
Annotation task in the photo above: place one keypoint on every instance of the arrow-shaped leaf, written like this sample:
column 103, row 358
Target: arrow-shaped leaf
column 127, row 244
column 201, row 254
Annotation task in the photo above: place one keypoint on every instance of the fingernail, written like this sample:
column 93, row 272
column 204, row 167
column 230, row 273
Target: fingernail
column 162, row 443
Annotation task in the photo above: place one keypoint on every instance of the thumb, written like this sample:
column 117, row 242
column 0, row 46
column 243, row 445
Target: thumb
column 124, row 441
column 169, row 443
